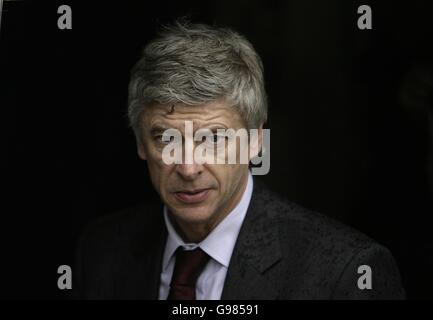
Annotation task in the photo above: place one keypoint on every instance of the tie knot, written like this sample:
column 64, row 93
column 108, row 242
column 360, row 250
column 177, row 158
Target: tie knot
column 189, row 264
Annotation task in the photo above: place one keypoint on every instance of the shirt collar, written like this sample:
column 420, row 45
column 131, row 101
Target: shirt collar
column 219, row 244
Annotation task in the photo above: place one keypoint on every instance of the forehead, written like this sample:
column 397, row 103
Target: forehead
column 214, row 113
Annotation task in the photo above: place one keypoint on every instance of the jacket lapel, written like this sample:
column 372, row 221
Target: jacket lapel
column 254, row 267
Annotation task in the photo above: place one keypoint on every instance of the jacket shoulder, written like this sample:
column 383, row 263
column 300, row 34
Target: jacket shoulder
column 124, row 222
column 309, row 225
column 108, row 247
column 321, row 255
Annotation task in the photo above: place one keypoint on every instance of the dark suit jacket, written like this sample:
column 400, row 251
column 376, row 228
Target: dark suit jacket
column 283, row 252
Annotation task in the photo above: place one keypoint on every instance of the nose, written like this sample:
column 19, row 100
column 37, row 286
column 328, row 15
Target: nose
column 189, row 171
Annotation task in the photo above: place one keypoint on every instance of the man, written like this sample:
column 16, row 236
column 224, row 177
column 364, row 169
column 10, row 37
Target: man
column 218, row 233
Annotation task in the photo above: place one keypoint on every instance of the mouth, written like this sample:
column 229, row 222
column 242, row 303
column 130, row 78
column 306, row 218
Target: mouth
column 192, row 196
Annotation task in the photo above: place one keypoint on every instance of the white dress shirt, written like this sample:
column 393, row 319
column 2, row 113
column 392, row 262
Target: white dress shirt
column 218, row 245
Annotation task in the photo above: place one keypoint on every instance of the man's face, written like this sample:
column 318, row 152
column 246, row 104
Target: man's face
column 201, row 194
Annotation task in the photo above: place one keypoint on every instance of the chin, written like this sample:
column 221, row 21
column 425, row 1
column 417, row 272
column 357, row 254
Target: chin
column 192, row 214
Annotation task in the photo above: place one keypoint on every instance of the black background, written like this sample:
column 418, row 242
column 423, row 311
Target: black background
column 349, row 135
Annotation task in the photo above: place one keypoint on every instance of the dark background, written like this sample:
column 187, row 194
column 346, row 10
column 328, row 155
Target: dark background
column 349, row 120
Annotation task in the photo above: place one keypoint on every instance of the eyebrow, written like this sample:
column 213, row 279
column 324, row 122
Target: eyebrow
column 216, row 127
column 215, row 130
column 157, row 130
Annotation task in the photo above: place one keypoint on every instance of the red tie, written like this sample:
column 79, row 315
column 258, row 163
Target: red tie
column 188, row 266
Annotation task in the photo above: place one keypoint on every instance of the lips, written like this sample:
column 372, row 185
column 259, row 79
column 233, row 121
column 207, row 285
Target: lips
column 192, row 196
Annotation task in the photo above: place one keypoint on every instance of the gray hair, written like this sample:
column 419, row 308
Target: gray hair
column 196, row 64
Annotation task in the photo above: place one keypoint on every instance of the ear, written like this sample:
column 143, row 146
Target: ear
column 256, row 146
column 141, row 150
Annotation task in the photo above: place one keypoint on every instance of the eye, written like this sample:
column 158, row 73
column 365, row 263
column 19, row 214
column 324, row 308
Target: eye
column 214, row 139
column 158, row 139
